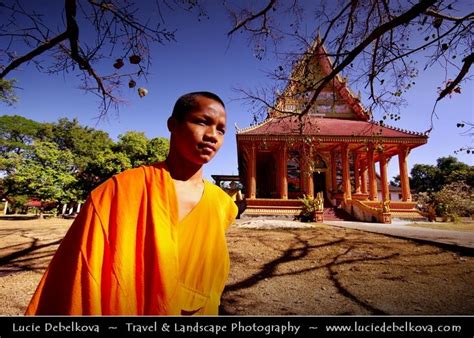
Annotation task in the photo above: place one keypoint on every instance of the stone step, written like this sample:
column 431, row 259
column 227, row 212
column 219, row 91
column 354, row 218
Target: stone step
column 330, row 213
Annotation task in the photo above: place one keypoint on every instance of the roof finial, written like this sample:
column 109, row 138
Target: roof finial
column 317, row 42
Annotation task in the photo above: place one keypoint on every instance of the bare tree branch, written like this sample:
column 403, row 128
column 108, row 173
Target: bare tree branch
column 333, row 21
column 252, row 17
column 73, row 36
column 377, row 32
column 37, row 51
column 437, row 14
column 121, row 31
column 467, row 62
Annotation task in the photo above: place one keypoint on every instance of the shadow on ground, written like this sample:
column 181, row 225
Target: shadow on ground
column 340, row 271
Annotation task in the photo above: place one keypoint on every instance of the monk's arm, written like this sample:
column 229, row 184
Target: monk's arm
column 72, row 283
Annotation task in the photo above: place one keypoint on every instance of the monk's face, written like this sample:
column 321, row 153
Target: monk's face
column 200, row 134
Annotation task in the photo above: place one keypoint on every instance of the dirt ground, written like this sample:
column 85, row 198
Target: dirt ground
column 322, row 270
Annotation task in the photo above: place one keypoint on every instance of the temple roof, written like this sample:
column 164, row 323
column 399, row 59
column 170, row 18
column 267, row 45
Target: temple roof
column 337, row 115
column 226, row 177
column 311, row 125
column 315, row 65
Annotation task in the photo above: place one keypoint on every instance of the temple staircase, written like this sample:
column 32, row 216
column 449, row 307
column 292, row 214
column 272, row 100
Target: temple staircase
column 289, row 209
column 271, row 208
column 336, row 214
column 372, row 211
column 353, row 211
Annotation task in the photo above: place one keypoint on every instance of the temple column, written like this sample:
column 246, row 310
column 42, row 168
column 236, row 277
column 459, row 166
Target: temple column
column 333, row 171
column 363, row 179
column 309, row 181
column 278, row 172
column 252, row 176
column 283, row 172
column 371, row 169
column 356, row 173
column 383, row 176
column 346, row 180
column 308, row 172
column 404, row 180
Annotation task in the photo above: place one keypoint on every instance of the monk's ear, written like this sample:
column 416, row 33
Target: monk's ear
column 172, row 123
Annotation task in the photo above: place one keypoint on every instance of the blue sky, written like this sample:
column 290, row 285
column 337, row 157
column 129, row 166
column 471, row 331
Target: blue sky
column 203, row 58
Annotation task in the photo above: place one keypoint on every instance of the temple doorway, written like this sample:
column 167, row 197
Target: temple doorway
column 266, row 178
column 319, row 182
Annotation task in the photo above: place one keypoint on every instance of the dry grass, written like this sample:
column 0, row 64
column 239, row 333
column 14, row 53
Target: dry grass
column 464, row 226
column 26, row 247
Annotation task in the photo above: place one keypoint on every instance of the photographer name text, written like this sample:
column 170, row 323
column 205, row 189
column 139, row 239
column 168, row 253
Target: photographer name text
column 55, row 327
column 197, row 327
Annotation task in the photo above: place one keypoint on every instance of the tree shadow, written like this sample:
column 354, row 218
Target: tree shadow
column 268, row 270
column 345, row 291
column 298, row 248
column 27, row 255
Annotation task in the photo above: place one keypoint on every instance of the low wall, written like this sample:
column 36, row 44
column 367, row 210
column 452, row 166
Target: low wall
column 362, row 212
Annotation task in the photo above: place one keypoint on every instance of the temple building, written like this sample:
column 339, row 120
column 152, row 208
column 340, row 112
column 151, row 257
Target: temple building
column 334, row 149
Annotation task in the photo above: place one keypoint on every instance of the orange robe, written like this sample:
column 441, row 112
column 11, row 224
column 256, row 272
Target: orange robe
column 127, row 254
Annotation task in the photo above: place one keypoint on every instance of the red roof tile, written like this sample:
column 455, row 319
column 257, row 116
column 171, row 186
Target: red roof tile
column 33, row 203
column 318, row 126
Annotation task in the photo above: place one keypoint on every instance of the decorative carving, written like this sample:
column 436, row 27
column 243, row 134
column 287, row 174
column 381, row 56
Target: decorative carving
column 263, row 146
column 404, row 151
column 385, row 206
column 330, row 139
column 318, row 163
column 379, row 147
column 319, row 202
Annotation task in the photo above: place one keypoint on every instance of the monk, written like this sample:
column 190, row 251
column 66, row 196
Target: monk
column 150, row 240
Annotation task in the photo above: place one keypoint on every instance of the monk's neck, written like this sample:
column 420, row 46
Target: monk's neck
column 181, row 172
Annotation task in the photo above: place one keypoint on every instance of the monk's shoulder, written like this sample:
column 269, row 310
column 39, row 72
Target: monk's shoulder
column 220, row 196
column 223, row 203
column 217, row 192
column 131, row 176
column 130, row 180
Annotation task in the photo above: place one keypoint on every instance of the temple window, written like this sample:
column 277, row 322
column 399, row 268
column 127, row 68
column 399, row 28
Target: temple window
column 318, row 163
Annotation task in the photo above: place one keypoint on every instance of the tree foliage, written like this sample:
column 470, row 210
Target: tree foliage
column 17, row 133
column 84, row 142
column 157, row 149
column 7, row 91
column 64, row 161
column 16, row 136
column 140, row 150
column 134, row 145
column 429, row 178
column 44, row 172
column 455, row 199
column 79, row 37
column 446, row 189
